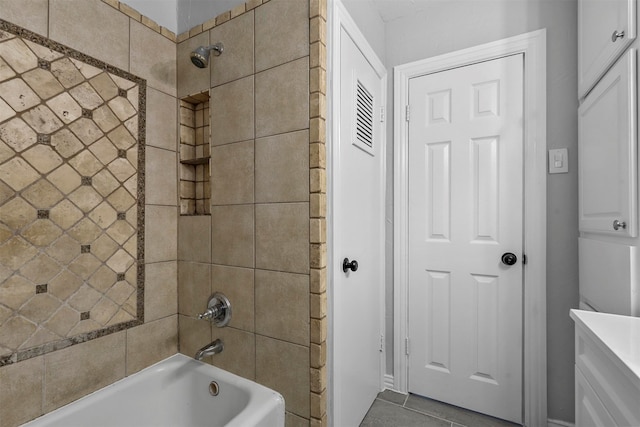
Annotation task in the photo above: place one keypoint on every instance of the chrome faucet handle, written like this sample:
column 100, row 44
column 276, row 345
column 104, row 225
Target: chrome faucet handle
column 218, row 310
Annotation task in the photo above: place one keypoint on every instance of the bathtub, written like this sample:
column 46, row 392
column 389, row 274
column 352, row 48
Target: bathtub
column 176, row 392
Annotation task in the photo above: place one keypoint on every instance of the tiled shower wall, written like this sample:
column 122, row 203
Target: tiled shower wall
column 118, row 36
column 264, row 243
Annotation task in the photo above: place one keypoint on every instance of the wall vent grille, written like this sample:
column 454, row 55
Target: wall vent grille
column 364, row 116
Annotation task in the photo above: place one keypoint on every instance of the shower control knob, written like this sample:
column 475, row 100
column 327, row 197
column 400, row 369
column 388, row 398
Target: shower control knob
column 346, row 265
column 509, row 259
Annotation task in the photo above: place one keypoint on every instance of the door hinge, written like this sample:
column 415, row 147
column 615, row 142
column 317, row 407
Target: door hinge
column 407, row 349
column 524, row 258
column 381, row 343
column 407, row 113
column 381, row 114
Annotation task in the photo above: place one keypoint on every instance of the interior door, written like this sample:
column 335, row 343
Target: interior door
column 607, row 155
column 358, row 238
column 466, row 236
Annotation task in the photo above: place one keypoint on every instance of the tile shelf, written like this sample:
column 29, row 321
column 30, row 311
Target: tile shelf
column 196, row 161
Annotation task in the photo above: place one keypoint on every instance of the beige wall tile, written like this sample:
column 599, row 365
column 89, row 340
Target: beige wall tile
column 21, row 391
column 151, row 342
column 84, row 17
column 237, row 59
column 161, row 230
column 232, row 235
column 282, row 237
column 160, row 290
column 277, row 289
column 282, row 98
column 239, row 354
column 32, row 15
column 237, row 285
column 232, row 121
column 153, row 57
column 282, row 168
column 193, row 334
column 161, row 187
column 284, row 367
column 292, row 420
column 194, row 287
column 162, row 120
column 232, row 173
column 81, row 369
column 191, row 79
column 282, row 32
column 194, row 238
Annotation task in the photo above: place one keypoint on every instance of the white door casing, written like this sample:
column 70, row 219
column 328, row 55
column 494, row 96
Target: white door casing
column 465, row 212
column 533, row 46
column 356, row 161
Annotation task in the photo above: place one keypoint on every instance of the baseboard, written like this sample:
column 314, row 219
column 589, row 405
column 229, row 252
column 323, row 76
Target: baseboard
column 559, row 423
column 388, row 381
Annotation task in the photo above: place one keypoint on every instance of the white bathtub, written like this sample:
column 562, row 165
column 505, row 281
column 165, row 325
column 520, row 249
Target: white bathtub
column 173, row 393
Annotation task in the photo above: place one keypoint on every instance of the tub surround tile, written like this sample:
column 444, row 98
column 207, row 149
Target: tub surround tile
column 162, row 112
column 79, row 370
column 161, row 290
column 284, row 367
column 191, row 79
column 277, row 289
column 282, row 98
column 237, row 284
column 233, row 121
column 282, row 32
column 193, row 334
column 237, row 59
column 161, row 230
column 282, row 168
column 232, row 173
column 150, row 343
column 232, row 235
column 282, row 237
column 153, row 57
column 292, row 420
column 239, row 354
column 84, row 17
column 32, row 14
column 161, row 177
column 194, row 234
column 194, row 287
column 21, row 389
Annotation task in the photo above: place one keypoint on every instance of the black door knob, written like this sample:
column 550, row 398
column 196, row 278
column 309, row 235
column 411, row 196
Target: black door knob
column 346, row 265
column 509, row 259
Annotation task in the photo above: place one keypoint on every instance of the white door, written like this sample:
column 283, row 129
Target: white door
column 465, row 214
column 607, row 154
column 358, row 237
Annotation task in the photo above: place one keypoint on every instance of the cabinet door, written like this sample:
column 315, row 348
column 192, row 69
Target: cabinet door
column 598, row 46
column 590, row 411
column 607, row 164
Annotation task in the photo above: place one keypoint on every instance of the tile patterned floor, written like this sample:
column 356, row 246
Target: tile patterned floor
column 391, row 409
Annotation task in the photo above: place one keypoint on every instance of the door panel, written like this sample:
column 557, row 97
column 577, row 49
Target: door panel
column 607, row 155
column 465, row 211
column 359, row 235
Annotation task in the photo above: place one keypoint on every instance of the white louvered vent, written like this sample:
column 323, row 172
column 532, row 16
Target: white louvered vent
column 364, row 116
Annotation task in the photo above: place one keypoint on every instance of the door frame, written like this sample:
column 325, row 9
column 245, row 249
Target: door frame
column 340, row 19
column 533, row 46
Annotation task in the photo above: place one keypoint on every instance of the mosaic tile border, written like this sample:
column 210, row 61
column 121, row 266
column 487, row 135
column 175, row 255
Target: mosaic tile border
column 142, row 86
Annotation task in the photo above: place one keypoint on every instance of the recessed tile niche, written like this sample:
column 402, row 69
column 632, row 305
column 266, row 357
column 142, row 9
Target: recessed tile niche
column 71, row 196
column 195, row 155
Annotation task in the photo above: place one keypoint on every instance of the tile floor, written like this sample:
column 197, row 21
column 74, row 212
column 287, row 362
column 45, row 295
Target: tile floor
column 391, row 409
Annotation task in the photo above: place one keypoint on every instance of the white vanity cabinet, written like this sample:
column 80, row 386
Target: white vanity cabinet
column 605, row 29
column 607, row 155
column 607, row 366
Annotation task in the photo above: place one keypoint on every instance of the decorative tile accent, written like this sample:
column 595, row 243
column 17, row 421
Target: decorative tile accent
column 73, row 166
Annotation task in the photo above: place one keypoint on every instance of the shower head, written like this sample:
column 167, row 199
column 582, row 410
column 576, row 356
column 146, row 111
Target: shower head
column 200, row 56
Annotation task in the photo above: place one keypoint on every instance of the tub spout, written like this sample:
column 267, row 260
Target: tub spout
column 210, row 349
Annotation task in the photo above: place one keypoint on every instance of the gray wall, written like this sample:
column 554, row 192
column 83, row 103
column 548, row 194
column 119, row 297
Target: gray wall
column 445, row 26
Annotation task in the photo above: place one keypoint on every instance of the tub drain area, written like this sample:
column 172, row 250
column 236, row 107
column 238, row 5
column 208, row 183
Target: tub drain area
column 214, row 388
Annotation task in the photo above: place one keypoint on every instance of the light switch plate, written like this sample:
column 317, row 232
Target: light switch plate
column 558, row 161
